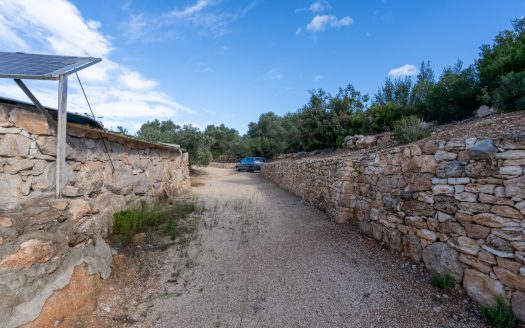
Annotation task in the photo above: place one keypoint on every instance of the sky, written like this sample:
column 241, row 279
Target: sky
column 228, row 61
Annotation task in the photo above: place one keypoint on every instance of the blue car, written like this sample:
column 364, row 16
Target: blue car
column 249, row 164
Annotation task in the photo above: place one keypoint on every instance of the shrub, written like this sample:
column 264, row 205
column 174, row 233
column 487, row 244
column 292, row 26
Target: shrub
column 409, row 129
column 383, row 116
column 358, row 123
column 510, row 94
column 454, row 97
column 151, row 217
column 442, row 282
column 499, row 315
column 339, row 141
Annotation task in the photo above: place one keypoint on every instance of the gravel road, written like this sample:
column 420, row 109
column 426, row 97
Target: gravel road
column 264, row 259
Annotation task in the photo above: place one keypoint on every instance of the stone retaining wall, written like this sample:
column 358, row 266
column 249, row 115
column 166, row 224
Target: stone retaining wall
column 457, row 206
column 42, row 239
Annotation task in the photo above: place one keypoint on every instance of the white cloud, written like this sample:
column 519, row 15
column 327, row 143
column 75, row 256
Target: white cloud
column 135, row 81
column 191, row 10
column 319, row 6
column 321, row 22
column 116, row 92
column 405, row 70
column 318, row 78
column 201, row 17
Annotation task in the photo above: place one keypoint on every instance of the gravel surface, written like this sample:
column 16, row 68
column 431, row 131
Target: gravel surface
column 264, row 259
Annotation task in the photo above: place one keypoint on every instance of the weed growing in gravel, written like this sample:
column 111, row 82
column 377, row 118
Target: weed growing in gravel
column 160, row 216
column 442, row 282
column 499, row 315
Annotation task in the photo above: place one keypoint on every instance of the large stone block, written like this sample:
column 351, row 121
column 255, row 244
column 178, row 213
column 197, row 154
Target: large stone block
column 412, row 247
column 415, row 208
column 518, row 305
column 507, row 211
column 9, row 191
column 423, row 164
column 32, row 122
column 450, row 169
column 464, row 244
column 481, row 169
column 493, row 220
column 515, row 187
column 510, row 279
column 14, row 145
column 90, row 178
column 31, row 252
column 482, row 288
column 482, row 149
column 441, row 259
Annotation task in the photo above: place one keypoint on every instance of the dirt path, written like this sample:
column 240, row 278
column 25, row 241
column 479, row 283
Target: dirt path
column 264, row 259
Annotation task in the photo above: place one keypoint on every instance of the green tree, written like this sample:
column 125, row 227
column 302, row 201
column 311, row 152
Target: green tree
column 425, row 81
column 318, row 125
column 188, row 137
column 224, row 139
column 454, row 97
column 345, row 103
column 501, row 66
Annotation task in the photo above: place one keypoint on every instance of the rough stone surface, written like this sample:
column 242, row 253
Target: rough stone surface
column 14, row 145
column 518, row 305
column 510, row 279
column 42, row 239
column 30, row 121
column 31, row 252
column 484, row 111
column 483, row 149
column 464, row 192
column 440, row 259
column 482, row 288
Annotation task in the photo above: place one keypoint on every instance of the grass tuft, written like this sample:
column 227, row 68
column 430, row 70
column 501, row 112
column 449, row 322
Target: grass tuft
column 499, row 315
column 442, row 282
column 409, row 129
column 148, row 218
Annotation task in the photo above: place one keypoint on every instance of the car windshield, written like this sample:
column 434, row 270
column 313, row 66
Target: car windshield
column 247, row 160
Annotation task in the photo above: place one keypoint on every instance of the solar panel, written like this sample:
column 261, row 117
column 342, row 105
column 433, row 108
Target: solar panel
column 18, row 65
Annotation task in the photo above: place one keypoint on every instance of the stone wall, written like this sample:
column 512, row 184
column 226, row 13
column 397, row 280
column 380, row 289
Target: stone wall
column 457, row 206
column 43, row 239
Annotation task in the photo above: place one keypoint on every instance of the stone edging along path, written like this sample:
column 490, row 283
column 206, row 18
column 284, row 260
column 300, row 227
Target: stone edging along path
column 455, row 204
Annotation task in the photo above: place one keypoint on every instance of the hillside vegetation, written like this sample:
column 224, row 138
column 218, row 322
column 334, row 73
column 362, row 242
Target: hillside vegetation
column 496, row 79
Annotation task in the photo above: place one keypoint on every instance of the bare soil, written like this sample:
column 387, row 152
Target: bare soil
column 262, row 258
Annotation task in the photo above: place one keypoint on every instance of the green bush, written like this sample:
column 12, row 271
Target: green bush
column 383, row 116
column 454, row 97
column 499, row 315
column 409, row 129
column 358, row 123
column 510, row 94
column 150, row 217
column 339, row 141
column 442, row 282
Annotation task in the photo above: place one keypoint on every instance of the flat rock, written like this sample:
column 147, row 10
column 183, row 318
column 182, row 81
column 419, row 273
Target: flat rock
column 482, row 149
column 440, row 259
column 482, row 288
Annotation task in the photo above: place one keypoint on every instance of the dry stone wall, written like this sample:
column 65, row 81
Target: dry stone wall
column 457, row 206
column 42, row 239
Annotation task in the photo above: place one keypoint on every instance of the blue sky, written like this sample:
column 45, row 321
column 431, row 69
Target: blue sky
column 225, row 61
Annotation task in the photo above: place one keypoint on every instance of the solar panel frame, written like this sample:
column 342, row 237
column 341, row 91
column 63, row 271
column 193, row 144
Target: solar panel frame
column 17, row 65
